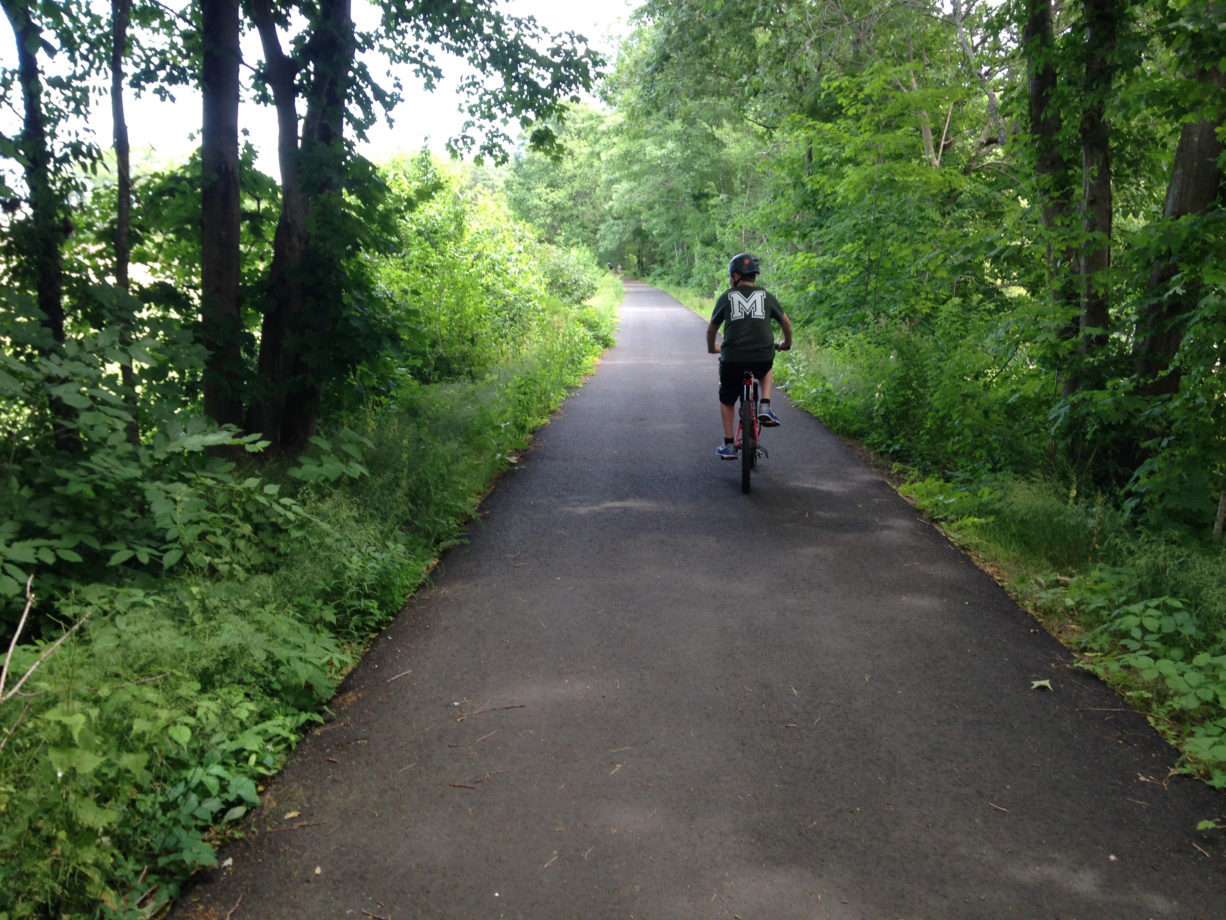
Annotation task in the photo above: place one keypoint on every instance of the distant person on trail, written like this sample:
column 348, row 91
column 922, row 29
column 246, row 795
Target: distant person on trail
column 745, row 311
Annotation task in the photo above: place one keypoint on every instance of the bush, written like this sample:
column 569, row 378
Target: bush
column 933, row 400
column 571, row 275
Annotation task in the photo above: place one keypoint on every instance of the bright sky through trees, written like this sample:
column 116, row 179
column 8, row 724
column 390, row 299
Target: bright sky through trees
column 169, row 129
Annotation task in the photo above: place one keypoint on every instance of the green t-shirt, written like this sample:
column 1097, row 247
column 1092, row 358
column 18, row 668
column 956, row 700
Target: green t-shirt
column 746, row 314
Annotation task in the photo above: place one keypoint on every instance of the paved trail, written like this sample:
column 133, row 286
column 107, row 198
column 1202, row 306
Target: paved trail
column 637, row 693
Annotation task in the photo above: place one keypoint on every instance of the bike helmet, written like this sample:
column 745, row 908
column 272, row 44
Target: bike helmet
column 744, row 264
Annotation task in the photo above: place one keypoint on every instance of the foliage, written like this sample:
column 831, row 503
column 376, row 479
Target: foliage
column 468, row 281
column 565, row 197
column 219, row 596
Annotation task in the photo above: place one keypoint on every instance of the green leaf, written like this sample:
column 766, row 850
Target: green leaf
column 92, row 815
column 82, row 761
column 24, row 551
column 134, row 762
column 1040, row 685
column 180, row 734
column 75, row 721
column 243, row 787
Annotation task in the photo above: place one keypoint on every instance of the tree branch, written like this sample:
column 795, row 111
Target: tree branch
column 4, row 672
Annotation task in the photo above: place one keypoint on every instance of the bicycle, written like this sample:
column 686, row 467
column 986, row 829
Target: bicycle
column 749, row 429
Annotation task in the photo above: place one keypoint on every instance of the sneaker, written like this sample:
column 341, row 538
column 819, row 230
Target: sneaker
column 766, row 418
column 727, row 451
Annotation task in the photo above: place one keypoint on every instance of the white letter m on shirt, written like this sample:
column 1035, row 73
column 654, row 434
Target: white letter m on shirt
column 753, row 306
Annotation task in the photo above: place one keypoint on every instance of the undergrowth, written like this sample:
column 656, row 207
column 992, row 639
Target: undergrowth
column 130, row 750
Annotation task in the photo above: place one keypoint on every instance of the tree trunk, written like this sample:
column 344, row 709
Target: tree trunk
column 1051, row 168
column 43, row 235
column 295, row 322
column 1195, row 188
column 285, row 291
column 120, row 16
column 221, row 315
column 1101, row 32
column 996, row 124
column 333, row 50
column 121, row 12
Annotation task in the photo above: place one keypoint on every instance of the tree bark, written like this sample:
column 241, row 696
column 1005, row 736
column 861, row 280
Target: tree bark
column 44, row 233
column 287, row 409
column 1195, row 188
column 284, row 287
column 47, row 231
column 1101, row 33
column 221, row 314
column 332, row 48
column 960, row 11
column 1051, row 168
column 120, row 17
column 121, row 14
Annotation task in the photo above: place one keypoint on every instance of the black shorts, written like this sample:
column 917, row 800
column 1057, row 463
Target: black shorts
column 732, row 378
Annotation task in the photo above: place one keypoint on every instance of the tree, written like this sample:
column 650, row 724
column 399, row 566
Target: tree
column 305, row 339
column 39, row 234
column 220, row 305
column 566, row 199
column 1101, row 38
column 1194, row 190
column 1053, row 171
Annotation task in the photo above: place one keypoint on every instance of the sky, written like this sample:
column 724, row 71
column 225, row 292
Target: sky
column 429, row 119
column 424, row 119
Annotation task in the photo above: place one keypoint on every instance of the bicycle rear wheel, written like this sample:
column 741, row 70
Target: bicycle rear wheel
column 749, row 440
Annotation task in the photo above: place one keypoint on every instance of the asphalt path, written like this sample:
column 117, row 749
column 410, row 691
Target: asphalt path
column 637, row 693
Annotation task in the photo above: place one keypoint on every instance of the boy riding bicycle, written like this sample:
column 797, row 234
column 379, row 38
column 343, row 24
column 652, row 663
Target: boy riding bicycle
column 745, row 311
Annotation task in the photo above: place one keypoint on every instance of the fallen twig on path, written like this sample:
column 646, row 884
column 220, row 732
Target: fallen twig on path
column 474, row 743
column 485, row 708
column 234, row 908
